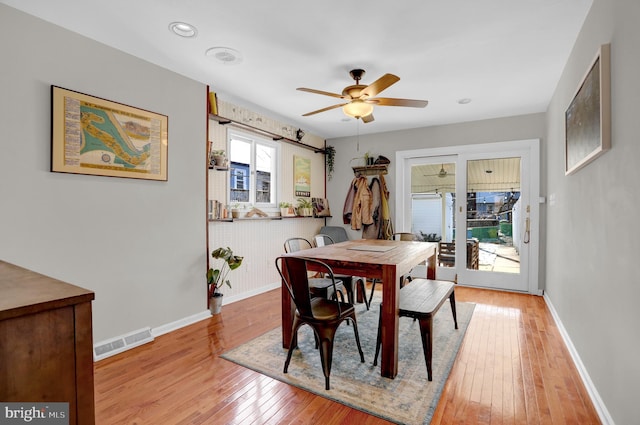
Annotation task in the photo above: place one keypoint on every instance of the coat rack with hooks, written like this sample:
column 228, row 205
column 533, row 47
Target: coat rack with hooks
column 370, row 170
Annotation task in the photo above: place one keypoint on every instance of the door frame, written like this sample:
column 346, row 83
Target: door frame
column 530, row 146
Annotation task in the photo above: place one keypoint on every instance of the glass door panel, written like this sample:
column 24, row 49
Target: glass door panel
column 493, row 208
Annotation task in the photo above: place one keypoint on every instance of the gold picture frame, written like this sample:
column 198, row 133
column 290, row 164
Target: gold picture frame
column 588, row 116
column 95, row 136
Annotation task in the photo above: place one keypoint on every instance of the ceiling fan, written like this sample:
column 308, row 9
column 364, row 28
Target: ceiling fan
column 441, row 174
column 361, row 99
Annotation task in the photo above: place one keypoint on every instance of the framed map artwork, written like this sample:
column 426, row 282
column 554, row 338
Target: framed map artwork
column 95, row 136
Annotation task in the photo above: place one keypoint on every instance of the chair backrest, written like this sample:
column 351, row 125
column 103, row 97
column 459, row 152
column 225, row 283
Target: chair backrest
column 337, row 233
column 297, row 283
column 321, row 240
column 403, row 236
column 296, row 244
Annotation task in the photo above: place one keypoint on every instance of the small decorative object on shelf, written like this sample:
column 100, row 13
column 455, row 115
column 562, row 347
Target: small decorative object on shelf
column 305, row 207
column 286, row 209
column 216, row 277
column 218, row 211
column 320, row 207
column 218, row 158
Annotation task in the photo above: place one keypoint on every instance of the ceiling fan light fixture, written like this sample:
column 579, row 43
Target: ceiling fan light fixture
column 357, row 109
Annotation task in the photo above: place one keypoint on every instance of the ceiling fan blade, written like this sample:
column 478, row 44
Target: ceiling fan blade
column 368, row 118
column 390, row 101
column 328, row 108
column 380, row 84
column 326, row 93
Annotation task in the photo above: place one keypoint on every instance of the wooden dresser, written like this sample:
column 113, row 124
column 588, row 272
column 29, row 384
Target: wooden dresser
column 46, row 343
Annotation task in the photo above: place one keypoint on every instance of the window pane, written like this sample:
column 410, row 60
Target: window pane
column 265, row 174
column 240, row 171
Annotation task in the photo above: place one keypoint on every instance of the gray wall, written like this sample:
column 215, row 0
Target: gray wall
column 140, row 245
column 488, row 131
column 592, row 248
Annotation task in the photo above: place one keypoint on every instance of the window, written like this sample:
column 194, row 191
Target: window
column 253, row 165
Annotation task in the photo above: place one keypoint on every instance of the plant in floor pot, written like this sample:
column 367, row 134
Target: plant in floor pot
column 216, row 277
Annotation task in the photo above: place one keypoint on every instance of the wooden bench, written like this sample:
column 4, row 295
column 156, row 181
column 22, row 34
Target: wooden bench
column 421, row 299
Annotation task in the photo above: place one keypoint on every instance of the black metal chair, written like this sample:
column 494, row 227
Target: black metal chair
column 347, row 280
column 318, row 286
column 322, row 315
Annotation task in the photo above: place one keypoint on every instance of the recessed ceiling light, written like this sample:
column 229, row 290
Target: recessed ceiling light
column 226, row 55
column 464, row 101
column 183, row 29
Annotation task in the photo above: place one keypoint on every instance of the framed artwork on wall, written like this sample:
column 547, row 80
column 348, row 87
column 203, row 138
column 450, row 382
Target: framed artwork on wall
column 302, row 176
column 96, row 136
column 588, row 117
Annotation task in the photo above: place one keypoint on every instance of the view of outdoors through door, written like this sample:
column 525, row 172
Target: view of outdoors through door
column 492, row 211
column 433, row 194
column 493, row 215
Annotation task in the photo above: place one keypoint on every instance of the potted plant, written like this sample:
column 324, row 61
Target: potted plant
column 330, row 153
column 305, row 207
column 216, row 277
column 219, row 157
column 286, row 209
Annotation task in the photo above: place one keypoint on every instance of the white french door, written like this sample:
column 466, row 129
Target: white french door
column 483, row 198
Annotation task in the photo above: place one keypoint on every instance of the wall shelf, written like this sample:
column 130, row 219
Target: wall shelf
column 371, row 170
column 224, row 121
column 229, row 220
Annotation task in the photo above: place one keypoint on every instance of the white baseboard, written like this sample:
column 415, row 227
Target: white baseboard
column 190, row 320
column 113, row 346
column 244, row 295
column 599, row 405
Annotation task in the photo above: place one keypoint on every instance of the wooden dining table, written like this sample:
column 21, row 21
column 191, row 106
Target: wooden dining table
column 384, row 260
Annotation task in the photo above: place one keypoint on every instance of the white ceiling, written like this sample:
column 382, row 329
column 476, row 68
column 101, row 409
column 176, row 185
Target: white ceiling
column 505, row 55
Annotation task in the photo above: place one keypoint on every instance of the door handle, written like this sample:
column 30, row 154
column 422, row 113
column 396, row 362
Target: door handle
column 527, row 231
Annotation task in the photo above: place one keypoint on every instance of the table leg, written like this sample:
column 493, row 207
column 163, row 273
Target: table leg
column 287, row 312
column 431, row 266
column 390, row 304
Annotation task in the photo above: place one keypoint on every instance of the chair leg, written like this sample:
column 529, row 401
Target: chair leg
column 378, row 338
column 355, row 331
column 326, row 352
column 363, row 288
column 426, row 332
column 294, row 342
column 373, row 287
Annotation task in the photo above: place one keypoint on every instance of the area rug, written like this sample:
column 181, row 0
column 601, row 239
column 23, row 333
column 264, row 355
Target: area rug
column 408, row 399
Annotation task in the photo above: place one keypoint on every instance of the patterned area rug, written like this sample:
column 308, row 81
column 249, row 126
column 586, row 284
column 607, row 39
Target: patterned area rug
column 408, row 399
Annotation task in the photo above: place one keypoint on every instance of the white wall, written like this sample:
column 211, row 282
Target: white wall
column 140, row 245
column 592, row 247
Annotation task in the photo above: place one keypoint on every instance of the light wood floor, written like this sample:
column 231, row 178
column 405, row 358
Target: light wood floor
column 512, row 368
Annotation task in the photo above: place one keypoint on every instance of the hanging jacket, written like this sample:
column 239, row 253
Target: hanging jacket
column 372, row 231
column 361, row 204
column 386, row 229
column 347, row 210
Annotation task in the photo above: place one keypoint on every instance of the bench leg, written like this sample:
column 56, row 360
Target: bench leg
column 452, row 300
column 426, row 331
